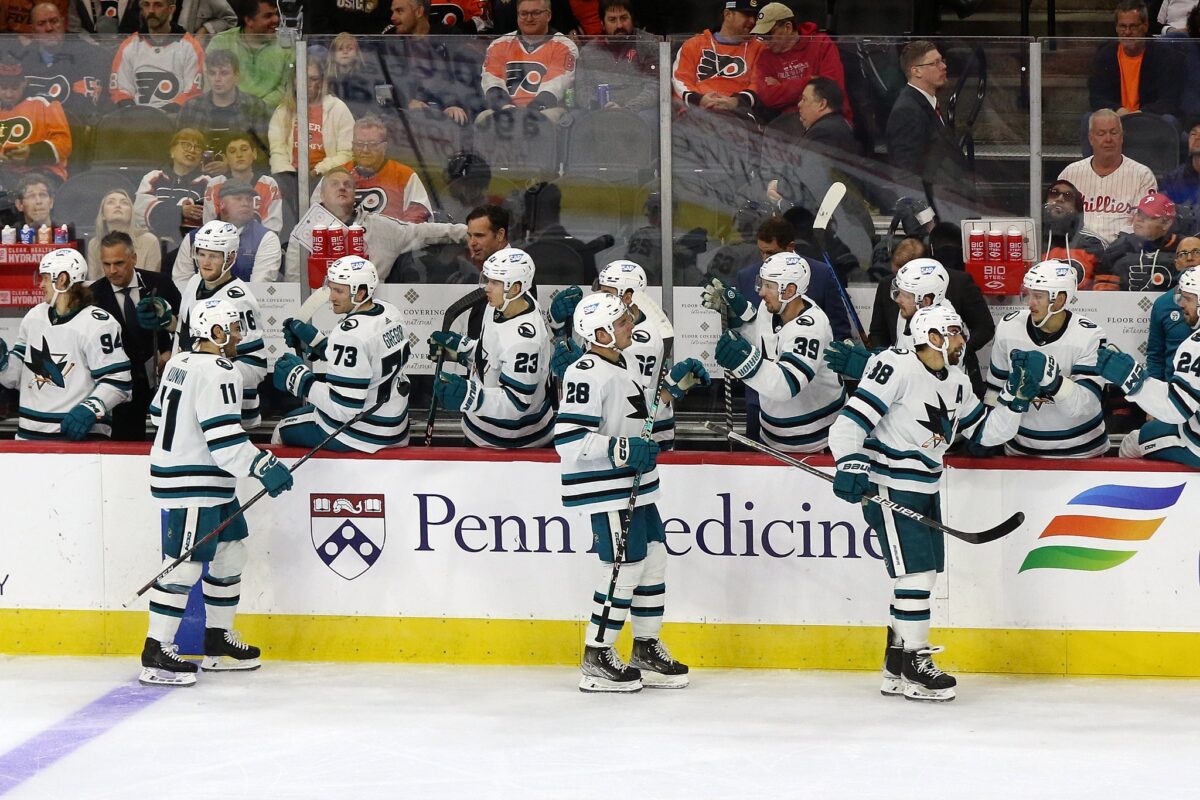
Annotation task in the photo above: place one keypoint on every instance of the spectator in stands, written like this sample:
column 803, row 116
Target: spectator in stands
column 468, row 176
column 35, row 202
column 203, row 18
column 1189, row 47
column 820, row 109
column 119, row 289
column 110, row 16
column 505, row 17
column 330, row 127
column 1168, row 328
column 1111, row 183
column 115, row 215
column 1144, row 260
column 795, row 53
column 34, row 135
column 919, row 139
column 625, row 60
column 715, row 71
column 412, row 18
column 1067, row 239
column 541, row 222
column 531, row 69
column 1173, row 14
column 170, row 201
column 384, row 185
column 259, row 254
column 1133, row 73
column 240, row 158
column 225, row 110
column 349, row 76
column 645, row 248
column 162, row 67
column 265, row 65
column 422, row 72
column 75, row 74
column 1182, row 184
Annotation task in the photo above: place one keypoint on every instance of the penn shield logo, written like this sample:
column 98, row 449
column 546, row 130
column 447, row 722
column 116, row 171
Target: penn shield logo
column 348, row 531
column 1122, row 517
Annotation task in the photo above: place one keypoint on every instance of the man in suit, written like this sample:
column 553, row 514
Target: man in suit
column 820, row 109
column 920, row 140
column 118, row 293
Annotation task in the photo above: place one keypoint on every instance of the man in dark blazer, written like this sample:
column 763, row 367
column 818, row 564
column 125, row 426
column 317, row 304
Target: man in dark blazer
column 118, row 293
column 820, row 109
column 1160, row 68
column 920, row 140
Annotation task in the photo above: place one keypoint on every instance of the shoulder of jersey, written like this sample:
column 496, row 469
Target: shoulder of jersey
column 1010, row 316
column 348, row 324
column 224, row 363
column 641, row 334
column 584, row 363
column 1084, row 322
column 236, row 291
column 894, row 353
column 100, row 314
column 528, row 329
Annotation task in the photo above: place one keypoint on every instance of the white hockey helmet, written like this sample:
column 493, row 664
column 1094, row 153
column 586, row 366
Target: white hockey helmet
column 922, row 277
column 509, row 266
column 63, row 260
column 623, row 276
column 216, row 312
column 1055, row 278
column 785, row 269
column 1189, row 283
column 355, row 272
column 936, row 318
column 599, row 311
column 220, row 236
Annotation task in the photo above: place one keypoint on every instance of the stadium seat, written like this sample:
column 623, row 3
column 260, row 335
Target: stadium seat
column 966, row 103
column 614, row 141
column 521, row 141
column 557, row 263
column 873, row 17
column 135, row 136
column 1152, row 140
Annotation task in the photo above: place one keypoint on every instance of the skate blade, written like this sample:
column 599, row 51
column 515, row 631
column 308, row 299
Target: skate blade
column 591, row 684
column 893, row 686
column 928, row 695
column 229, row 664
column 163, row 677
column 653, row 680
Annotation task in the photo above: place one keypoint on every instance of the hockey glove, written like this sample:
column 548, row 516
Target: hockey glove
column 740, row 358
column 851, row 481
column 292, row 375
column 275, row 477
column 848, row 358
column 456, row 346
column 1019, row 391
column 632, row 452
column 298, row 334
column 1120, row 369
column 80, row 419
column 730, row 303
column 3, row 355
column 685, row 376
column 1038, row 367
column 154, row 313
column 563, row 306
column 455, row 391
column 566, row 353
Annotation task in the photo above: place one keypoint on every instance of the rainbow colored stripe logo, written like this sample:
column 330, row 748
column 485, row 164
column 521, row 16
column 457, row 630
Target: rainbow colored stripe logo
column 1102, row 528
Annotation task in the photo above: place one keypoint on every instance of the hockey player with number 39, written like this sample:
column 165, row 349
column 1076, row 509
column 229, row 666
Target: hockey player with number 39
column 890, row 440
column 598, row 436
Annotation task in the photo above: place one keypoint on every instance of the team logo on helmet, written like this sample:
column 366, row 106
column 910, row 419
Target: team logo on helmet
column 348, row 531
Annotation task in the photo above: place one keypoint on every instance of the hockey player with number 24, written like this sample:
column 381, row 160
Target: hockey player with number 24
column 199, row 451
column 602, row 438
column 889, row 441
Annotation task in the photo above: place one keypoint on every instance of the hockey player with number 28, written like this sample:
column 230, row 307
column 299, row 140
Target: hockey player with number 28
column 599, row 437
column 199, row 451
column 889, row 441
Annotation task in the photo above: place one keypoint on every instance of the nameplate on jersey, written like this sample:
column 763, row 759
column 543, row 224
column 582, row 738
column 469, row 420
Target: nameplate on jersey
column 348, row 531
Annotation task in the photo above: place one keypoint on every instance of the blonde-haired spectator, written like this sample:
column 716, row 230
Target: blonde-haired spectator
column 116, row 214
column 330, row 127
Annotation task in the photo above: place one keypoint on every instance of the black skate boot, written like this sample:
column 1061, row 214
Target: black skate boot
column 893, row 663
column 162, row 666
column 922, row 678
column 604, row 671
column 224, row 651
column 659, row 669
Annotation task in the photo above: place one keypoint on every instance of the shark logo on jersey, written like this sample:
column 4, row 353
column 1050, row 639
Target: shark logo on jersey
column 47, row 367
column 641, row 336
column 638, row 400
column 348, row 531
column 939, row 422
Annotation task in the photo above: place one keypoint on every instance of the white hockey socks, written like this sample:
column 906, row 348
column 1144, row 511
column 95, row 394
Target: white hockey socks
column 649, row 598
column 223, row 585
column 627, row 581
column 910, row 608
column 168, row 599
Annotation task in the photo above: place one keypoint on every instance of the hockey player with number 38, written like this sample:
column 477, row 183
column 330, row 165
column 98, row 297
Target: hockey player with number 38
column 599, row 437
column 890, row 440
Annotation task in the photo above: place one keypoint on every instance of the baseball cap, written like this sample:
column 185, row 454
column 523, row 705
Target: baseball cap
column 744, row 6
column 236, row 187
column 1157, row 206
column 771, row 14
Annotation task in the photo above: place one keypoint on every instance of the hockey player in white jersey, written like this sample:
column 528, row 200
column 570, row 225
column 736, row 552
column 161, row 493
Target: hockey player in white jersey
column 366, row 351
column 1066, row 420
column 1174, row 433
column 598, row 437
column 216, row 246
column 890, row 440
column 506, row 404
column 199, row 450
column 67, row 361
column 781, row 358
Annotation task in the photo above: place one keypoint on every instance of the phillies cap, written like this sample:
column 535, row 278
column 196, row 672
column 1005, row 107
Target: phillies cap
column 1157, row 206
column 771, row 14
column 744, row 6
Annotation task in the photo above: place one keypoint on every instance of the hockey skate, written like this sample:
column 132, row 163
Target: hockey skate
column 893, row 664
column 224, row 651
column 659, row 669
column 604, row 671
column 922, row 678
column 162, row 666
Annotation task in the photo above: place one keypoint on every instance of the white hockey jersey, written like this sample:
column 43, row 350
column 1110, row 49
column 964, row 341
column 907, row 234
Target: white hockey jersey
column 904, row 338
column 1177, row 401
column 799, row 395
column 201, row 445
column 1070, row 424
column 367, row 352
column 644, row 355
column 58, row 363
column 513, row 361
column 162, row 72
column 251, row 358
column 601, row 400
column 905, row 417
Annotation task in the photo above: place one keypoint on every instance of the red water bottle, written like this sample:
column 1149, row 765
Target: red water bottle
column 976, row 250
column 337, row 241
column 1014, row 246
column 356, row 240
column 994, row 246
column 320, row 241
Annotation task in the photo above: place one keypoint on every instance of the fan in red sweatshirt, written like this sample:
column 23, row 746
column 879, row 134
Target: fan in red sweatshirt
column 795, row 53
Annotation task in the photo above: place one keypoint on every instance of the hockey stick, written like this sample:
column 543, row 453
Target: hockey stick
column 456, row 309
column 244, row 507
column 666, row 330
column 833, row 198
column 982, row 537
column 318, row 298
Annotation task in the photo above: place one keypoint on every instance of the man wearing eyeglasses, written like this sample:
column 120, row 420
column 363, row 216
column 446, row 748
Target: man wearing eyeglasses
column 715, row 71
column 1142, row 261
column 920, row 139
column 795, row 53
column 1066, row 237
column 532, row 68
column 1168, row 327
column 1134, row 73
